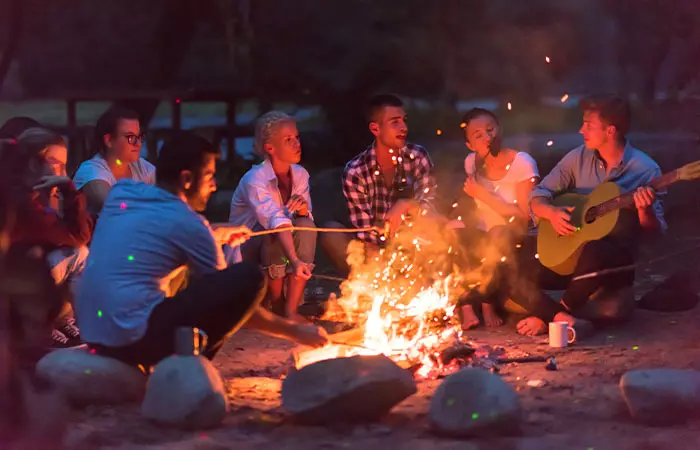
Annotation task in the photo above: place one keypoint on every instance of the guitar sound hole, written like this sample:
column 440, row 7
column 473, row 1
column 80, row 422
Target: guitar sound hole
column 591, row 215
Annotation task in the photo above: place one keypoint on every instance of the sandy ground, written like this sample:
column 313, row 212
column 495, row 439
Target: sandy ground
column 578, row 407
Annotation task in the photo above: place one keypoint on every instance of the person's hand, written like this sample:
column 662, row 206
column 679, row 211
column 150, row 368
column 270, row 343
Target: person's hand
column 561, row 220
column 230, row 235
column 310, row 335
column 301, row 269
column 51, row 181
column 298, row 205
column 472, row 188
column 644, row 197
column 397, row 214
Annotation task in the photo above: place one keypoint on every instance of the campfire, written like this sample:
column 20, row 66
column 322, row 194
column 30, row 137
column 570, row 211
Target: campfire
column 402, row 303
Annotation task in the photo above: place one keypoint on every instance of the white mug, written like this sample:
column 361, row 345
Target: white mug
column 561, row 334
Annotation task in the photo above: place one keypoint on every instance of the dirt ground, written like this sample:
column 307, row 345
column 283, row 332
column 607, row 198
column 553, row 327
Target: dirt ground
column 578, row 407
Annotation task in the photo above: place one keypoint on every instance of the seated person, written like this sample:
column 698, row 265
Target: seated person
column 147, row 235
column 275, row 195
column 15, row 126
column 388, row 180
column 500, row 181
column 605, row 156
column 118, row 140
column 36, row 165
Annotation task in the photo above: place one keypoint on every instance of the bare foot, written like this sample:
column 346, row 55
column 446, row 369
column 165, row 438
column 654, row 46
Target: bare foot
column 583, row 327
column 469, row 319
column 491, row 317
column 298, row 318
column 531, row 326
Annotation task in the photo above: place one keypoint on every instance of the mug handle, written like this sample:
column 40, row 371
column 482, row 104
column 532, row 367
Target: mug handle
column 572, row 339
column 203, row 339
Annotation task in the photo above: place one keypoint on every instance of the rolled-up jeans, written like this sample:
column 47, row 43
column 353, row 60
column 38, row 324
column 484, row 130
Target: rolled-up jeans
column 67, row 264
column 267, row 250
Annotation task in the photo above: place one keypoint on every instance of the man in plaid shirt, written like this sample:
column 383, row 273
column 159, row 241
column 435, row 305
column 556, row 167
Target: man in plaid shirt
column 388, row 180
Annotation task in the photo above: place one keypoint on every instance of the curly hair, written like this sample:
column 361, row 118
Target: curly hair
column 265, row 127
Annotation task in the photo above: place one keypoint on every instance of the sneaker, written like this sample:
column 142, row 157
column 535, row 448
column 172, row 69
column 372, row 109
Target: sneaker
column 70, row 330
column 60, row 340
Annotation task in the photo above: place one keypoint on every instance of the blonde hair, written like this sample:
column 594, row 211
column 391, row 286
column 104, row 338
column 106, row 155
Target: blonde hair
column 265, row 127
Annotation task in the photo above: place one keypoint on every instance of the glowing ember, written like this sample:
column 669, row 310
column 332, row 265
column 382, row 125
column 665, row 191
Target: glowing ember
column 564, row 98
column 550, row 143
column 509, row 106
column 547, row 59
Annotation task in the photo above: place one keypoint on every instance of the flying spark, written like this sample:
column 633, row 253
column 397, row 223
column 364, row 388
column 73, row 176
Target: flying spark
column 546, row 58
column 550, row 143
column 564, row 98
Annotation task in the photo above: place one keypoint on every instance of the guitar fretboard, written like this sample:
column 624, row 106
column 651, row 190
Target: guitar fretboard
column 626, row 200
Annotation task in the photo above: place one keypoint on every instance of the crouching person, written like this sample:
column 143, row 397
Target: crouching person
column 146, row 236
column 275, row 195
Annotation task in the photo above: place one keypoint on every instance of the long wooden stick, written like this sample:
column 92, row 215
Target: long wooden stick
column 320, row 230
column 613, row 270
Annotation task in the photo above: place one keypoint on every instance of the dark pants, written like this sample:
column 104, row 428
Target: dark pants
column 218, row 303
column 522, row 277
column 605, row 253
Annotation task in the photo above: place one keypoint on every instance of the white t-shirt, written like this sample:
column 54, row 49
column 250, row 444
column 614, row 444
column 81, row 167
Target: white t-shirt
column 96, row 168
column 522, row 168
column 143, row 237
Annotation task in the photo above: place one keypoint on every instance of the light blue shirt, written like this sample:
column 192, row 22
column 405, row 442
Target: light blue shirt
column 144, row 237
column 257, row 198
column 96, row 168
column 582, row 170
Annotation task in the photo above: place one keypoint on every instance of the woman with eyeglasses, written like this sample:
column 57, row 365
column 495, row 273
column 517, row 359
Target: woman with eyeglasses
column 118, row 140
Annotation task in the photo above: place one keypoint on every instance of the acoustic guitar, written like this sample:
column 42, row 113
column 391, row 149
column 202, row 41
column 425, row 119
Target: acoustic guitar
column 595, row 216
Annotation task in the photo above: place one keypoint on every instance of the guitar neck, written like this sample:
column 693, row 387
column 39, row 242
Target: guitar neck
column 626, row 200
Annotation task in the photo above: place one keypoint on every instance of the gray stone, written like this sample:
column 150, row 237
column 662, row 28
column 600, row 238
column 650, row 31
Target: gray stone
column 87, row 379
column 475, row 402
column 185, row 392
column 354, row 389
column 661, row 396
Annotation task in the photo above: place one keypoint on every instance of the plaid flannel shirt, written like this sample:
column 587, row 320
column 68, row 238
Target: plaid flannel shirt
column 369, row 198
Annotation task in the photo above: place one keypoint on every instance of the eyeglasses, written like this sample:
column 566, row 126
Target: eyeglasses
column 132, row 139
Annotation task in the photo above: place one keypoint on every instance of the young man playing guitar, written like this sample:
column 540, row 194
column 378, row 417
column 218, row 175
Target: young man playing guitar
column 606, row 156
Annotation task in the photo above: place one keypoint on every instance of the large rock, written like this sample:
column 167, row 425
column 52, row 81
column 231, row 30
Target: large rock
column 661, row 396
column 354, row 389
column 87, row 379
column 185, row 392
column 474, row 402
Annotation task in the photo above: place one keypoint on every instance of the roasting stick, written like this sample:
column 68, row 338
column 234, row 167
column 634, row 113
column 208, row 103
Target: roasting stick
column 603, row 272
column 320, row 230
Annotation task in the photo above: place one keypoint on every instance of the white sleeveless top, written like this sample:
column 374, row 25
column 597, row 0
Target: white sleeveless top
column 522, row 168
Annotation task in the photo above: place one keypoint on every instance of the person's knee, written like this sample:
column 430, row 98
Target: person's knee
column 609, row 305
column 333, row 242
column 304, row 222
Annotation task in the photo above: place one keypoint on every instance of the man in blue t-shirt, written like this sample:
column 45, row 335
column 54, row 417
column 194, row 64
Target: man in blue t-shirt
column 146, row 237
